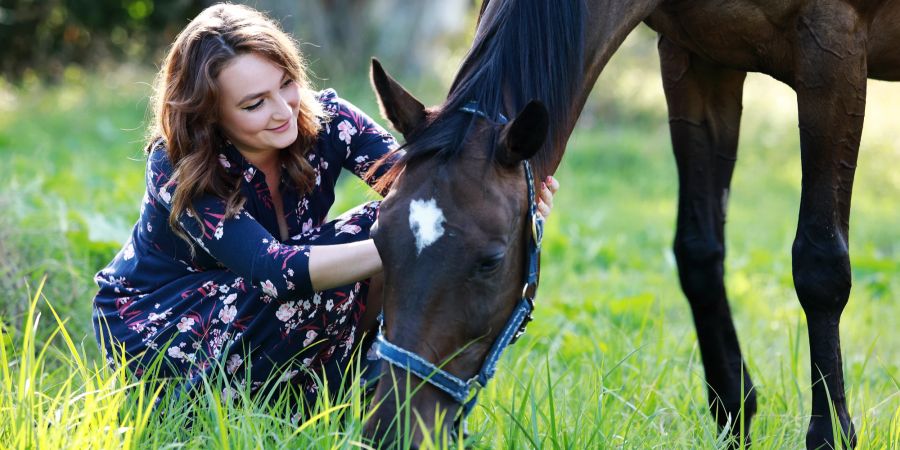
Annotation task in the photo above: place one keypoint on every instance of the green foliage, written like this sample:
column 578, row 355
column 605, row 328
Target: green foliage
column 44, row 37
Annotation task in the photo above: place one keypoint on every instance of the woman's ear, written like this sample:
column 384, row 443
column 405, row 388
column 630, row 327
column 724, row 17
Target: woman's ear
column 404, row 111
column 521, row 138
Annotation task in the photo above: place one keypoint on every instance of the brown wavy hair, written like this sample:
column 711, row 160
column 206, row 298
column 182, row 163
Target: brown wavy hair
column 186, row 101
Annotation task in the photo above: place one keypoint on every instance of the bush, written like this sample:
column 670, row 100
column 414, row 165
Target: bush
column 43, row 37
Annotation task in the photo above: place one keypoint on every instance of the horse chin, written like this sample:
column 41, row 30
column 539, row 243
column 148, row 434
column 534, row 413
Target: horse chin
column 429, row 409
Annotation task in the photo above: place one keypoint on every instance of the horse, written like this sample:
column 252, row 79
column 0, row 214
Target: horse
column 454, row 230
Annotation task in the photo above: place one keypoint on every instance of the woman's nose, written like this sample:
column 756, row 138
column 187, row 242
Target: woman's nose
column 285, row 108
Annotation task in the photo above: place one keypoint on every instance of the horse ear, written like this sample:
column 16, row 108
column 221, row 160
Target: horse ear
column 521, row 138
column 397, row 105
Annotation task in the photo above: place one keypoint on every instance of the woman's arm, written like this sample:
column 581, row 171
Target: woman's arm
column 336, row 265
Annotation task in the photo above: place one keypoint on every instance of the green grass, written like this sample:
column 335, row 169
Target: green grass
column 611, row 359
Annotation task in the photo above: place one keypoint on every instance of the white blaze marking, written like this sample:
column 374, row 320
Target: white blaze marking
column 426, row 222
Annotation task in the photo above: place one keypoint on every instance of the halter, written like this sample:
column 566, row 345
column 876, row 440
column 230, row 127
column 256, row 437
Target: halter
column 465, row 392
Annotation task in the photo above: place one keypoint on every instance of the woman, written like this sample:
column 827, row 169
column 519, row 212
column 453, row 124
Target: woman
column 231, row 261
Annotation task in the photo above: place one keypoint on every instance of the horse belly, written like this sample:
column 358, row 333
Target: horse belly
column 884, row 43
column 742, row 35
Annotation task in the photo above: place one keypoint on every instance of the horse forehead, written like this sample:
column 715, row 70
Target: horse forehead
column 426, row 222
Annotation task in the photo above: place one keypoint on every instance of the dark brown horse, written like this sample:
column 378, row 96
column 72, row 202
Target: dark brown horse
column 450, row 288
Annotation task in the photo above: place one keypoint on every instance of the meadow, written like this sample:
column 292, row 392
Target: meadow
column 611, row 360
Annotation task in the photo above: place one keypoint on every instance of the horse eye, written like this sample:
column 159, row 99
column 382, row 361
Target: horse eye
column 490, row 264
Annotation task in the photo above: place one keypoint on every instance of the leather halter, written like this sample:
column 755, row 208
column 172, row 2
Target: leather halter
column 465, row 392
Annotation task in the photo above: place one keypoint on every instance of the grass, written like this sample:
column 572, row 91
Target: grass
column 611, row 359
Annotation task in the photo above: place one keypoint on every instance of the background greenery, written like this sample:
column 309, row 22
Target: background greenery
column 611, row 360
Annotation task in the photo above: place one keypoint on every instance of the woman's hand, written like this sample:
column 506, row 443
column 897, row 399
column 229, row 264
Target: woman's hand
column 545, row 197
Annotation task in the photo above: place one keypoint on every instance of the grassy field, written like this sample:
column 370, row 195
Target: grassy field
column 611, row 359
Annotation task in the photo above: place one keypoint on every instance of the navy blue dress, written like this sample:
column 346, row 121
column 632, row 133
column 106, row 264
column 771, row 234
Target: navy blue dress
column 243, row 299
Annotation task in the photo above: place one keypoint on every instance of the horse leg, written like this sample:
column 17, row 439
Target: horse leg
column 830, row 81
column 704, row 117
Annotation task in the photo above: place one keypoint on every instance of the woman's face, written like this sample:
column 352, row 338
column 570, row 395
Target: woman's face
column 258, row 106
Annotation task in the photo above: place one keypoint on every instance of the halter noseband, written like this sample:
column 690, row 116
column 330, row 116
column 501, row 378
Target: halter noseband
column 457, row 388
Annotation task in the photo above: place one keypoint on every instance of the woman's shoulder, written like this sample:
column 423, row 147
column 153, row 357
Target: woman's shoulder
column 158, row 154
column 327, row 95
column 333, row 105
column 159, row 168
column 330, row 103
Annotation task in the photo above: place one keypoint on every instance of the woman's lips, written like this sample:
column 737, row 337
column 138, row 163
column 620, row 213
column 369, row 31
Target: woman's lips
column 281, row 128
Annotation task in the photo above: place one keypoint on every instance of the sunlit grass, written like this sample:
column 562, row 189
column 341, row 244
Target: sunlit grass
column 611, row 359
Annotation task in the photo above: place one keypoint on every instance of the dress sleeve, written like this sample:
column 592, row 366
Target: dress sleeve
column 238, row 242
column 364, row 141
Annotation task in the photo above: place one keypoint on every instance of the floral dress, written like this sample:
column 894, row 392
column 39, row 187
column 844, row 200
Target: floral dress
column 243, row 299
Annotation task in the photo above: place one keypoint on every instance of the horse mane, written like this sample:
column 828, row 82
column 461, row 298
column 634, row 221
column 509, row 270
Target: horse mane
column 526, row 50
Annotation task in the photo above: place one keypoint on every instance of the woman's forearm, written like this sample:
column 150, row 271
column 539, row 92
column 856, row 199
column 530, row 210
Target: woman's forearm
column 336, row 265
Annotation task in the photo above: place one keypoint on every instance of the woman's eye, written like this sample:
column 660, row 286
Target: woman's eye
column 253, row 106
column 287, row 82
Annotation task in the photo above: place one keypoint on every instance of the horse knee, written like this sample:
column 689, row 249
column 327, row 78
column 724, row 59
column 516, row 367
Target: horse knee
column 821, row 270
column 700, row 269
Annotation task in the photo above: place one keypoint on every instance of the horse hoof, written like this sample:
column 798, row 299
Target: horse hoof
column 821, row 435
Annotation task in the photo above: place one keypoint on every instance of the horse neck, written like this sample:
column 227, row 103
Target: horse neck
column 607, row 24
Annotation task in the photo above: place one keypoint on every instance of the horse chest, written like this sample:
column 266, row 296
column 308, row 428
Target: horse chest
column 883, row 51
column 754, row 36
column 761, row 35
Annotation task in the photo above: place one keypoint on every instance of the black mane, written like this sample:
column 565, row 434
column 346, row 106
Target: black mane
column 527, row 49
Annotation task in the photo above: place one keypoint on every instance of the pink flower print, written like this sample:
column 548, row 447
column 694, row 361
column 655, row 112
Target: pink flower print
column 185, row 324
column 154, row 317
column 288, row 375
column 175, row 352
column 307, row 225
column 248, row 174
column 329, row 304
column 165, row 195
column 219, row 232
column 310, row 336
column 346, row 130
column 229, row 299
column 227, row 313
column 235, row 361
column 269, row 288
column 349, row 229
column 209, row 289
column 128, row 253
column 286, row 311
column 228, row 394
column 224, row 161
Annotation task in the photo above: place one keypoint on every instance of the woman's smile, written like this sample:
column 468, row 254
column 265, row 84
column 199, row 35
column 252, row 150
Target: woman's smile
column 281, row 128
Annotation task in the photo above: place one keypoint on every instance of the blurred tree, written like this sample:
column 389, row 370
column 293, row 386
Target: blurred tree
column 43, row 36
column 408, row 36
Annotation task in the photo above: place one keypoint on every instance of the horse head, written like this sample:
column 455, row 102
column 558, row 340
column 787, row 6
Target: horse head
column 453, row 235
column 457, row 232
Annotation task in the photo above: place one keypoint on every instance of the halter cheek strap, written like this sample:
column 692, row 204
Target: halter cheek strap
column 465, row 392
